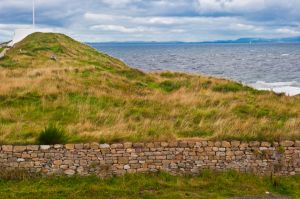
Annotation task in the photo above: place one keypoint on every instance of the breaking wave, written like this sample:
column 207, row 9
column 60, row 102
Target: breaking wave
column 288, row 88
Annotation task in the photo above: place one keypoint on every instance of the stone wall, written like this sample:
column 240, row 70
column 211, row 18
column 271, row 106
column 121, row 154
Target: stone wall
column 175, row 157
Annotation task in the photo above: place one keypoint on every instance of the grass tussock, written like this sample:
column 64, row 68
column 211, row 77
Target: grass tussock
column 95, row 97
column 206, row 185
column 16, row 175
column 53, row 135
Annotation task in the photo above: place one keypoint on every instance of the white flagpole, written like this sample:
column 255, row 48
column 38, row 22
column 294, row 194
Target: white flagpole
column 33, row 14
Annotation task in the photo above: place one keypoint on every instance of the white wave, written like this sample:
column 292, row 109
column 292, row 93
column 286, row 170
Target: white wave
column 288, row 88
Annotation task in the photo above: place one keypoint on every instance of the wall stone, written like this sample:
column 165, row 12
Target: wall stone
column 176, row 157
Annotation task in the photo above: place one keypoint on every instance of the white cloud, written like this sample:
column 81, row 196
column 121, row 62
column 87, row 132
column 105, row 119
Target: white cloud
column 119, row 3
column 288, row 31
column 249, row 27
column 208, row 6
column 123, row 29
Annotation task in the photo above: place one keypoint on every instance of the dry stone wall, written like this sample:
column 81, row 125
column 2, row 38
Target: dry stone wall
column 178, row 157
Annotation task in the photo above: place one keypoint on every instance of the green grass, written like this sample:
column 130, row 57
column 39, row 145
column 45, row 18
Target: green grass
column 195, row 133
column 229, row 87
column 1, row 49
column 207, row 185
column 52, row 135
column 95, row 97
column 169, row 86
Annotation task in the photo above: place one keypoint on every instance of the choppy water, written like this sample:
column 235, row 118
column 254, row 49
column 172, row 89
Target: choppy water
column 263, row 66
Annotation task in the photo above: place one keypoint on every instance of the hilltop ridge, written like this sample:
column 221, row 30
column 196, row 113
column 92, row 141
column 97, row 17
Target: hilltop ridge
column 50, row 78
column 52, row 50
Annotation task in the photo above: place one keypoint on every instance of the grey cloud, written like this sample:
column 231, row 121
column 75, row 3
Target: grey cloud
column 161, row 20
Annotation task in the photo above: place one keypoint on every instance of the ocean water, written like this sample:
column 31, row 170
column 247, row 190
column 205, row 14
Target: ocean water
column 263, row 66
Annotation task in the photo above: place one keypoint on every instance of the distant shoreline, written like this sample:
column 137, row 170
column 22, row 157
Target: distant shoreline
column 237, row 41
column 183, row 43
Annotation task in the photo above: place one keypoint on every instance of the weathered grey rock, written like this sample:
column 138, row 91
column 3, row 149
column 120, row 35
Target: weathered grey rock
column 254, row 144
column 45, row 147
column 127, row 145
column 78, row 146
column 138, row 145
column 235, row 143
column 69, row 172
column 226, row 144
column 104, row 146
column 287, row 143
column 164, row 144
column 70, row 146
column 265, row 144
column 58, row 146
column 19, row 148
column 116, row 146
column 94, row 145
column 32, row 147
column 7, row 148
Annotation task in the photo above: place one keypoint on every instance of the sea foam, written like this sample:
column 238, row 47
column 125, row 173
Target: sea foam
column 288, row 88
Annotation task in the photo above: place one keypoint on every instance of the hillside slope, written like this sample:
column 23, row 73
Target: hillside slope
column 50, row 78
column 55, row 50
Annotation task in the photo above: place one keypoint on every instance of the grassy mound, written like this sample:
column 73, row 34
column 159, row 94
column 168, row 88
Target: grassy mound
column 55, row 50
column 50, row 78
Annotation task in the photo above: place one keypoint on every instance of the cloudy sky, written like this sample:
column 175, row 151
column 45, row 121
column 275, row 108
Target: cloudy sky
column 155, row 20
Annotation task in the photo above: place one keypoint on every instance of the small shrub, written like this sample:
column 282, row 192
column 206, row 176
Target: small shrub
column 7, row 62
column 132, row 74
column 255, row 111
column 206, row 84
column 169, row 86
column 281, row 149
column 169, row 74
column 229, row 87
column 52, row 135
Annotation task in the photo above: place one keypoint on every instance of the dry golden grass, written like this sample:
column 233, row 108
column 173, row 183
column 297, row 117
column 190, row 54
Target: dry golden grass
column 97, row 98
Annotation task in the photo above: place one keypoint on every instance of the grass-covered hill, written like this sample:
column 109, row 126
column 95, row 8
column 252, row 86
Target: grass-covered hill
column 52, row 79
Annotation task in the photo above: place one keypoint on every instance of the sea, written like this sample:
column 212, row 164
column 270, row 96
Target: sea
column 269, row 66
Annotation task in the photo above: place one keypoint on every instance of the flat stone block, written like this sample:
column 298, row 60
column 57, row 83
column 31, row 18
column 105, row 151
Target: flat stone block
column 287, row 143
column 19, row 148
column 33, row 147
column 69, row 146
column 104, row 146
column 226, row 144
column 7, row 148
column 127, row 145
column 45, row 147
column 69, row 172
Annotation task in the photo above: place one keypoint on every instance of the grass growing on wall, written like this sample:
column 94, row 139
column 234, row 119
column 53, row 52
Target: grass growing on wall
column 95, row 97
column 207, row 185
column 1, row 49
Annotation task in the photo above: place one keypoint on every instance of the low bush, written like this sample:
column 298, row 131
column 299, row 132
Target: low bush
column 229, row 87
column 169, row 86
column 52, row 135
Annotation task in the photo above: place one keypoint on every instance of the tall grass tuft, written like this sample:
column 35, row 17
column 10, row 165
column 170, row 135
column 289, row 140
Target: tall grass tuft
column 16, row 174
column 52, row 135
